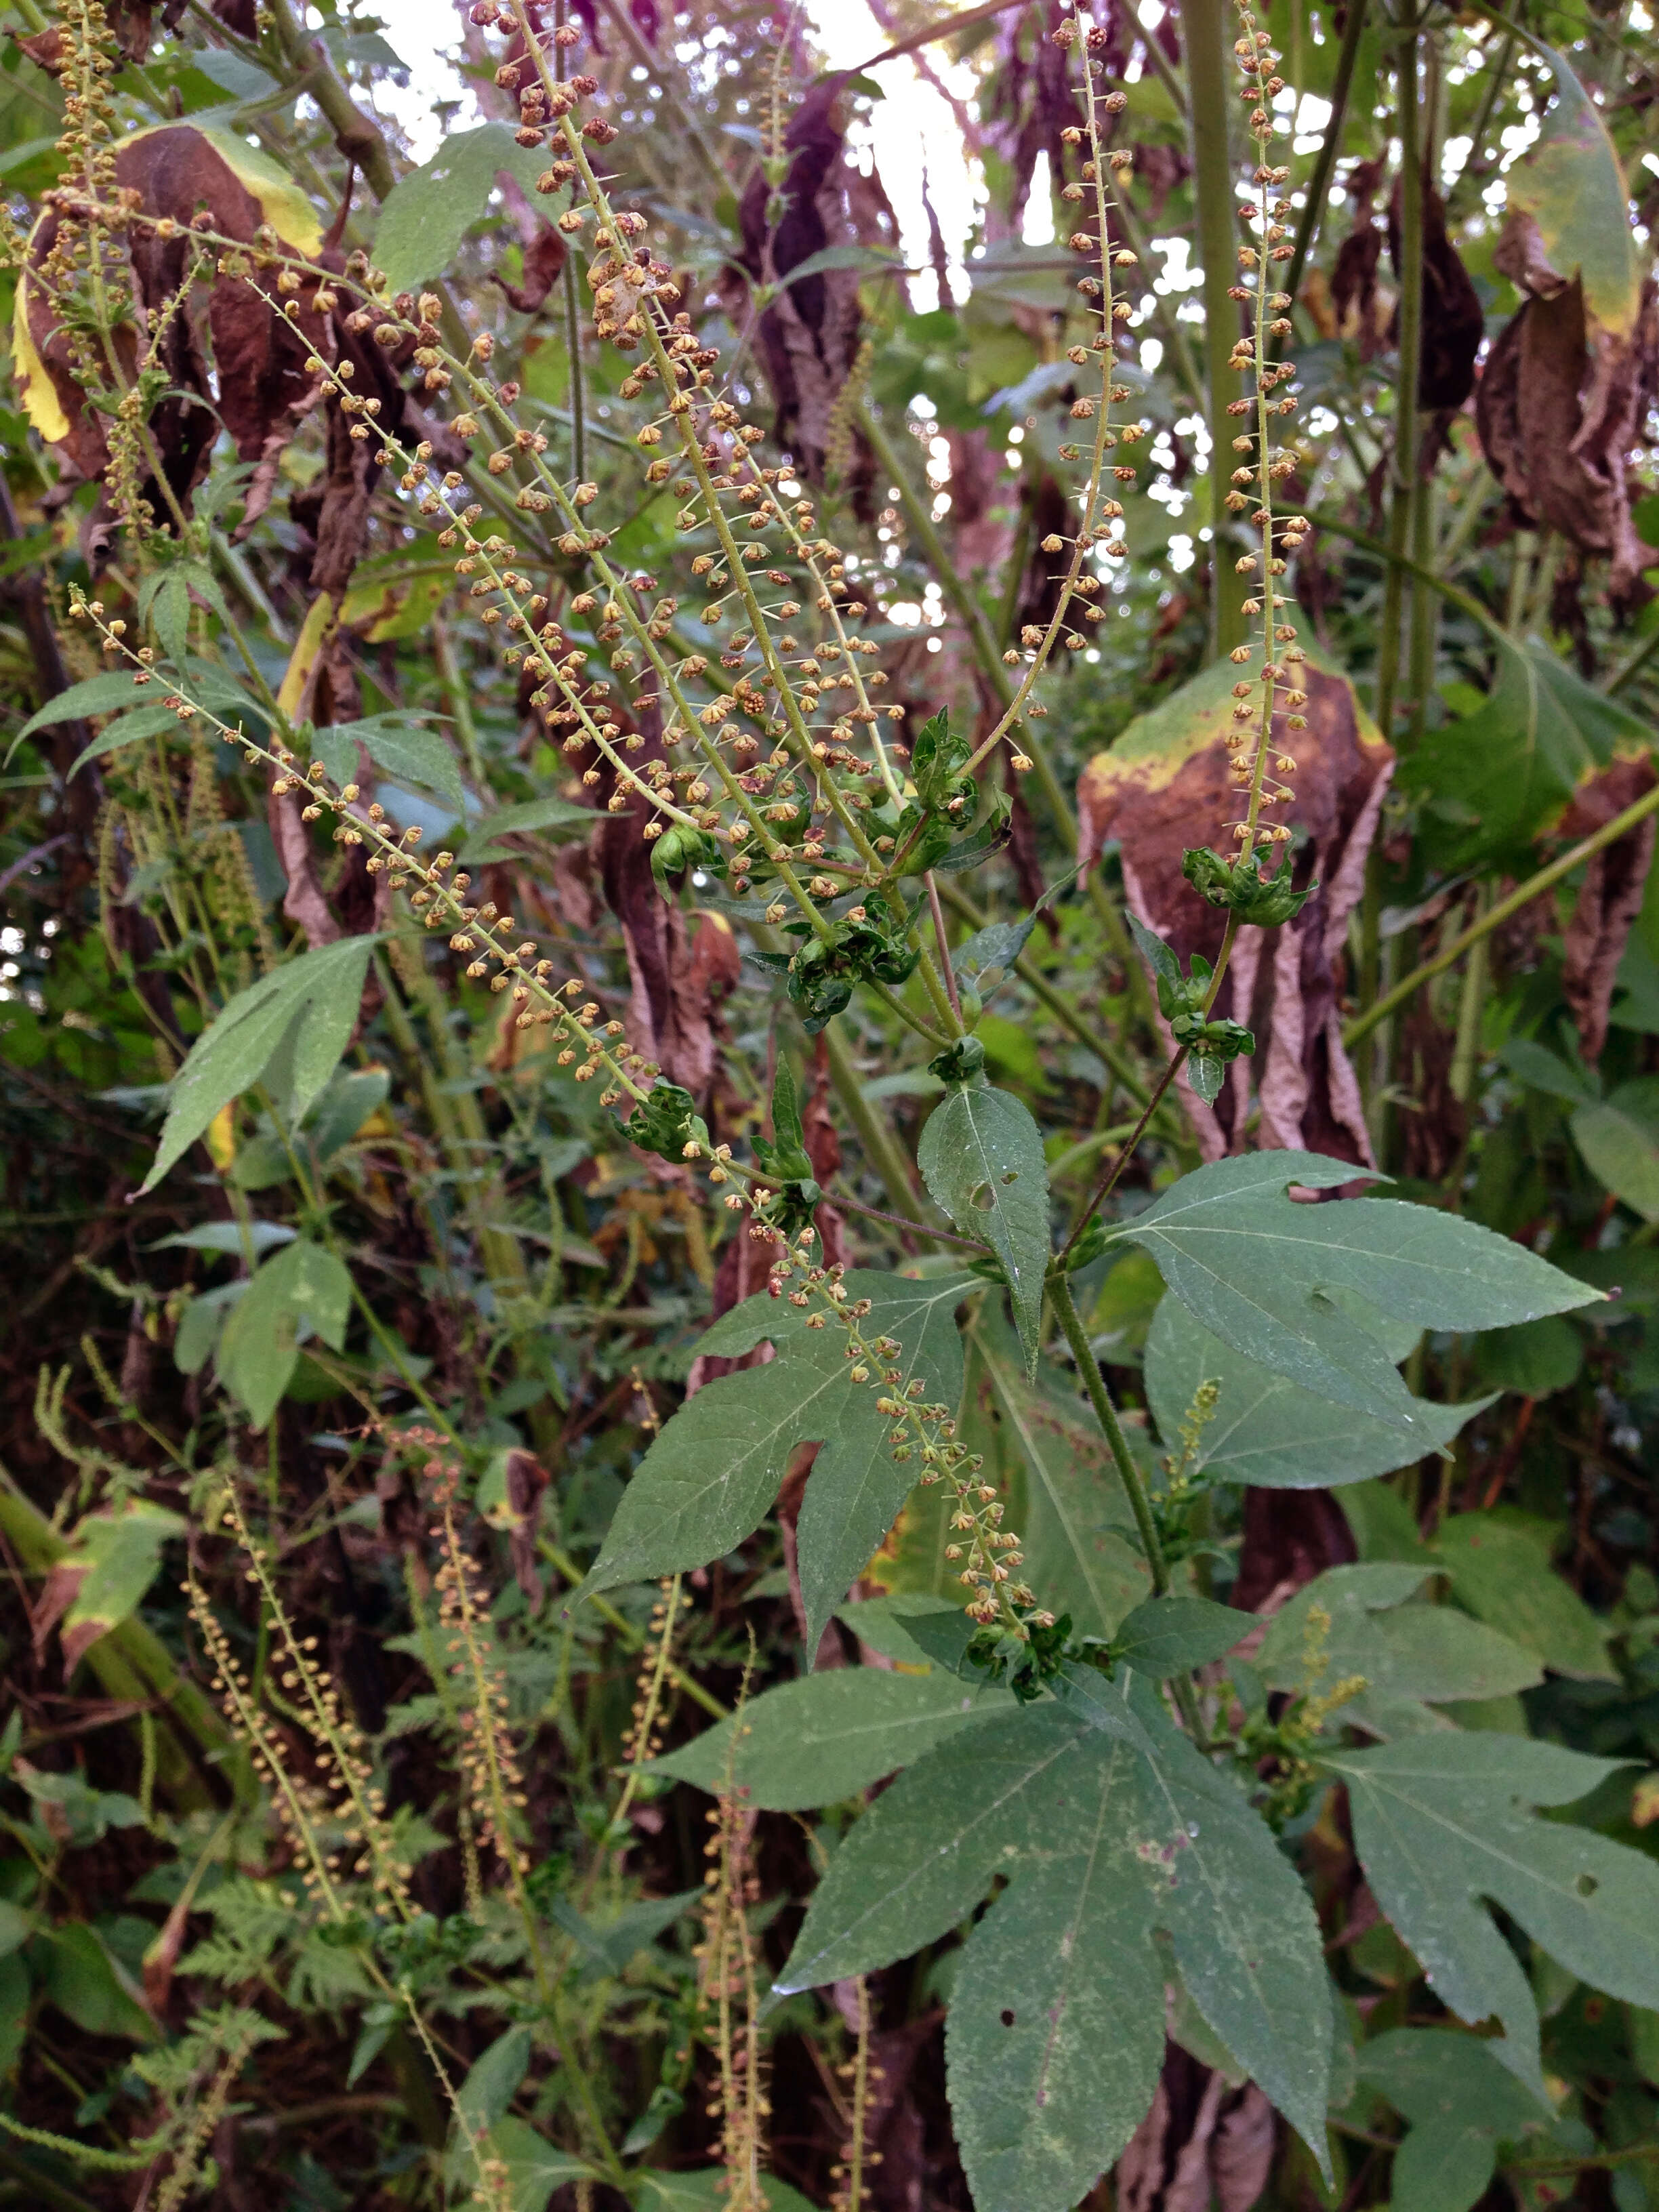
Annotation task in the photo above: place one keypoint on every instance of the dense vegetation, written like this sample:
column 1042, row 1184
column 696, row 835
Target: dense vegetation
column 831, row 1121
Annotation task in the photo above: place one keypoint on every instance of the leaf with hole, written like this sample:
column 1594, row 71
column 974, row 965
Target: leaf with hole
column 1107, row 1827
column 981, row 1158
column 1444, row 1827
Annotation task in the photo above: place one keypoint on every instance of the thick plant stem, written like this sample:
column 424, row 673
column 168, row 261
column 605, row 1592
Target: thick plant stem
column 1403, row 468
column 1088, row 1367
column 1204, row 38
column 355, row 136
column 1534, row 887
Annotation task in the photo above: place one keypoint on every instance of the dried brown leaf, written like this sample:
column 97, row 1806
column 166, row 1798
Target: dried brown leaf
column 1163, row 787
column 1609, row 900
column 1560, row 406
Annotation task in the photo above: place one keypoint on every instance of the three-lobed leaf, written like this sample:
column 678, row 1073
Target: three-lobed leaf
column 309, row 1006
column 1267, row 1274
column 710, row 1478
column 1444, row 1828
column 1127, row 1833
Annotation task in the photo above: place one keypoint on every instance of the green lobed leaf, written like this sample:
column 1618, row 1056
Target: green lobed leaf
column 1055, row 2037
column 304, row 1291
column 1265, row 1274
column 1028, row 1792
column 1167, row 1635
column 981, row 1158
column 708, row 2190
column 997, row 946
column 310, row 1004
column 1444, row 1827
column 547, row 818
column 1265, row 1430
column 1499, row 1568
column 402, row 747
column 827, row 1737
column 493, row 2080
column 1064, row 1494
column 94, row 694
column 146, row 721
column 1494, row 780
column 121, row 1550
column 710, row 1477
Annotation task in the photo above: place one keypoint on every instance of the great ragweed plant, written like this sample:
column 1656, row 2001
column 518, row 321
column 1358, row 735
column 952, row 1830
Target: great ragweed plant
column 723, row 713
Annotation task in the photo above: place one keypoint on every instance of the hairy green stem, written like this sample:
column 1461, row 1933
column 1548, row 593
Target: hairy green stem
column 1088, row 1367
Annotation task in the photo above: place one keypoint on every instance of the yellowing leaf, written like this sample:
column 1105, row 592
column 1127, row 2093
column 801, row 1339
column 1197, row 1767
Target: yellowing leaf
column 220, row 1138
column 281, row 201
column 40, row 401
column 1573, row 187
column 313, row 631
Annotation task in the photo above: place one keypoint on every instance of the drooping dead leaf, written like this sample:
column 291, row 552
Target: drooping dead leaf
column 1204, row 2142
column 176, row 171
column 1568, row 384
column 810, row 336
column 1353, row 273
column 1163, row 787
column 1452, row 322
column 543, row 263
column 1028, row 102
column 526, row 1481
column 1560, row 405
column 1610, row 899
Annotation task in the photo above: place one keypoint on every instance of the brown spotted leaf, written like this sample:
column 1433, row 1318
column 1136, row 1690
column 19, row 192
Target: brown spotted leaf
column 1164, row 786
column 1609, row 899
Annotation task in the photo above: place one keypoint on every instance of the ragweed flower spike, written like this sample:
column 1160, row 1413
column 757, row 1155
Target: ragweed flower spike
column 1236, row 882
